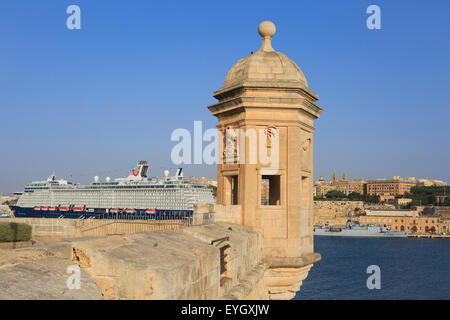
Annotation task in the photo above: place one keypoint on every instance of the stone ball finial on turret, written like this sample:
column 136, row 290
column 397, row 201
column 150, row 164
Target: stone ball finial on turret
column 267, row 30
column 265, row 66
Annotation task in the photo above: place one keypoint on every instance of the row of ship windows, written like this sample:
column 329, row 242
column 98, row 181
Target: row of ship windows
column 99, row 188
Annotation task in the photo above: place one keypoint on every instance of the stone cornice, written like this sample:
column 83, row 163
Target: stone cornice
column 265, row 85
column 293, row 262
column 265, row 102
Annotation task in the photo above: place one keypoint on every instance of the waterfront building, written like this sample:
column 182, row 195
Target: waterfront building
column 402, row 220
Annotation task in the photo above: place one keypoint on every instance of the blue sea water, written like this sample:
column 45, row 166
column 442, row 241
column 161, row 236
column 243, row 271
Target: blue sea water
column 410, row 269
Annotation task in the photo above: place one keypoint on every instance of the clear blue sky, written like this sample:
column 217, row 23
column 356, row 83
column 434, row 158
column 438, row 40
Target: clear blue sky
column 95, row 100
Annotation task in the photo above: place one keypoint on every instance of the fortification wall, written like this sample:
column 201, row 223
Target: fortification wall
column 336, row 212
column 211, row 261
column 216, row 261
column 49, row 229
column 379, row 206
column 336, row 208
column 45, row 229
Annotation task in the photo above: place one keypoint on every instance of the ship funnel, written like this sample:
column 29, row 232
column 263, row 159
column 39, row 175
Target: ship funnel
column 179, row 174
column 52, row 177
column 139, row 173
column 141, row 169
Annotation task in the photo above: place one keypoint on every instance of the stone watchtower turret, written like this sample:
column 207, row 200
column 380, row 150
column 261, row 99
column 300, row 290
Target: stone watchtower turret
column 265, row 114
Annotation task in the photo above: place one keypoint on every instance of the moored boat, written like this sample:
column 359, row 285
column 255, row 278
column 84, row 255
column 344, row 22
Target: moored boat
column 355, row 230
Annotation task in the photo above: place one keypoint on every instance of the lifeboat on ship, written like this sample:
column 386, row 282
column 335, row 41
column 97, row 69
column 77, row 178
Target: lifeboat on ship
column 52, row 208
column 78, row 209
column 114, row 210
column 44, row 208
column 150, row 211
column 64, row 208
column 130, row 210
column 37, row 208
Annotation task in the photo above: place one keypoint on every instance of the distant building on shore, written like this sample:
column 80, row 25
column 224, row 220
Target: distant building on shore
column 389, row 187
column 406, row 220
column 381, row 187
column 202, row 180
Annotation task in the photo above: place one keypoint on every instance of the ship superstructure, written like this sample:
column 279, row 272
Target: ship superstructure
column 355, row 230
column 133, row 195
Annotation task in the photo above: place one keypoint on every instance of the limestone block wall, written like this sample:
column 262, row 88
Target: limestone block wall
column 48, row 229
column 44, row 229
column 228, row 213
column 332, row 221
column 203, row 214
column 217, row 261
column 335, row 208
column 381, row 206
column 214, row 261
column 336, row 212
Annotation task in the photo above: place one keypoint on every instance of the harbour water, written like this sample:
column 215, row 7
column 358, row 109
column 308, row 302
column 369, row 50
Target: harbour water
column 410, row 269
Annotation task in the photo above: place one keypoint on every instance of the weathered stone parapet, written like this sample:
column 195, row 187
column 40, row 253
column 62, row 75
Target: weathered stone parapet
column 183, row 264
column 45, row 229
column 203, row 214
column 51, row 229
column 214, row 261
column 36, row 273
column 251, row 288
column 227, row 213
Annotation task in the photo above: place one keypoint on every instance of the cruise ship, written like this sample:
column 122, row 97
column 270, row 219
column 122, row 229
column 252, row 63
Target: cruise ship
column 133, row 197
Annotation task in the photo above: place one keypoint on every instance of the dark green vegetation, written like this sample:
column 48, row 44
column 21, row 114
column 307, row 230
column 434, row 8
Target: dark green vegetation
column 11, row 232
column 354, row 196
column 427, row 195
